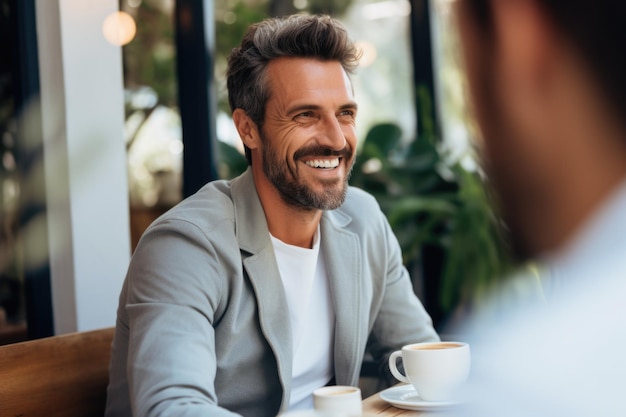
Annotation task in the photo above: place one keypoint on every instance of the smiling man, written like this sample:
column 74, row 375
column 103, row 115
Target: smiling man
column 248, row 295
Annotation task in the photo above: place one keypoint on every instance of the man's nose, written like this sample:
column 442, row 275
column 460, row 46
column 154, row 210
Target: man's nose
column 332, row 134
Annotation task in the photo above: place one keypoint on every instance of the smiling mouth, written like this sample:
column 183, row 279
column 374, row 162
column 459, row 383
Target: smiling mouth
column 323, row 163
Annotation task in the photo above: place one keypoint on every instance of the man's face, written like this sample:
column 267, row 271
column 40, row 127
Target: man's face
column 308, row 138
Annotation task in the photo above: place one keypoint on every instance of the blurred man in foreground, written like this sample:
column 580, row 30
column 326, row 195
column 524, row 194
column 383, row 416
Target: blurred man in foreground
column 548, row 82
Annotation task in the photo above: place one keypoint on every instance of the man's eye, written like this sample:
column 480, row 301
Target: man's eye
column 304, row 114
column 347, row 113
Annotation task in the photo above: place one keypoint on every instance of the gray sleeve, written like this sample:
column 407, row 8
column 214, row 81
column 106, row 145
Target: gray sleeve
column 174, row 295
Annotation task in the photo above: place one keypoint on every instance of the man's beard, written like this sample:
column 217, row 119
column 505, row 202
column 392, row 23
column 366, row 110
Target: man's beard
column 297, row 193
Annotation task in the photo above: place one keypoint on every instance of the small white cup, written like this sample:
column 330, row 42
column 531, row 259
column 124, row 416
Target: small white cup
column 436, row 370
column 312, row 413
column 343, row 399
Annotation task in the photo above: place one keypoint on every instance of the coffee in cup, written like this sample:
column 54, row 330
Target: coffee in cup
column 436, row 369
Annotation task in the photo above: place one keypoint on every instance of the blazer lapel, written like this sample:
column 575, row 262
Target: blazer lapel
column 260, row 264
column 343, row 265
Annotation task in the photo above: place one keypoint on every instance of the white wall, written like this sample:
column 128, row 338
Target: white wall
column 85, row 161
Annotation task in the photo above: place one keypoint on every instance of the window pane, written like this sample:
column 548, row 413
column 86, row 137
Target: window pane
column 457, row 128
column 383, row 85
column 153, row 128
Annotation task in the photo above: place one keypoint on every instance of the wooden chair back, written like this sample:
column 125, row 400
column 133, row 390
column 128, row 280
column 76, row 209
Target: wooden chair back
column 64, row 375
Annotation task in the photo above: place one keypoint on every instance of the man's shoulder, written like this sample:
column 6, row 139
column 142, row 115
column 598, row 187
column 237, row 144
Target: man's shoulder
column 209, row 206
column 545, row 352
column 358, row 200
column 359, row 212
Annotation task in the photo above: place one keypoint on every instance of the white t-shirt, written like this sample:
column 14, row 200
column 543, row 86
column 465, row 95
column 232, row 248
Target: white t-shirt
column 312, row 318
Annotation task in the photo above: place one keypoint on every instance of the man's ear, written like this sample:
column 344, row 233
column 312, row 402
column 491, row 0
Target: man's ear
column 248, row 130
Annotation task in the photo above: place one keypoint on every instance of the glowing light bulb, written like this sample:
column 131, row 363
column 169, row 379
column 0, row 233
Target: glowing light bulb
column 119, row 28
column 368, row 51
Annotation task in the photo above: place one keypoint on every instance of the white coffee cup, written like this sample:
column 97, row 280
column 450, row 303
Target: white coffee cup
column 436, row 370
column 343, row 399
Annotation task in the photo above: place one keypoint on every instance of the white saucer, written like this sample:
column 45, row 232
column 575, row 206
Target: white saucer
column 405, row 396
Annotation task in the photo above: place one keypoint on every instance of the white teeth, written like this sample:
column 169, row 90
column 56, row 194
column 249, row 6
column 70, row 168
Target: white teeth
column 323, row 163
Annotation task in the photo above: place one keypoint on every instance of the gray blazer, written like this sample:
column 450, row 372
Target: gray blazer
column 202, row 325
